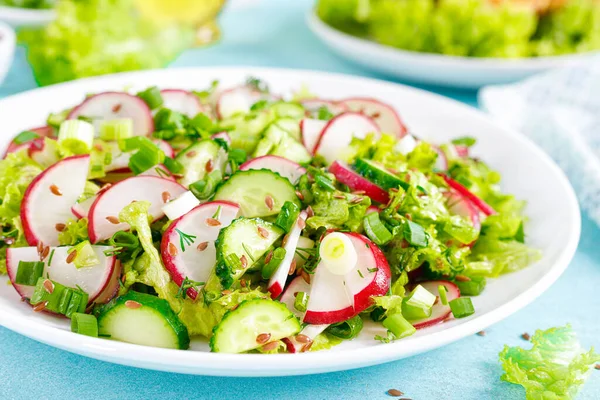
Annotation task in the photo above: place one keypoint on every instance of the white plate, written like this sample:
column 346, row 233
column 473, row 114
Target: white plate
column 554, row 225
column 435, row 69
column 20, row 17
column 7, row 49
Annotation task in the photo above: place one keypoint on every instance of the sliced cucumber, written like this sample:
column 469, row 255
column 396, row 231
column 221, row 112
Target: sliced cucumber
column 248, row 129
column 279, row 142
column 291, row 126
column 143, row 319
column 253, row 324
column 288, row 110
column 196, row 157
column 239, row 246
column 378, row 174
column 259, row 193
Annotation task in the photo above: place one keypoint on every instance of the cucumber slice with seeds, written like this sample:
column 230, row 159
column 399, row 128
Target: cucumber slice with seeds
column 143, row 319
column 378, row 174
column 259, row 193
column 253, row 324
column 195, row 158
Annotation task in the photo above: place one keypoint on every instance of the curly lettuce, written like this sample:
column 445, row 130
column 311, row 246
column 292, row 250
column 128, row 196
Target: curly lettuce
column 75, row 231
column 554, row 368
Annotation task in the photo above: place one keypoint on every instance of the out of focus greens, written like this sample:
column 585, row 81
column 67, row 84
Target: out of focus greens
column 33, row 4
column 95, row 37
column 472, row 28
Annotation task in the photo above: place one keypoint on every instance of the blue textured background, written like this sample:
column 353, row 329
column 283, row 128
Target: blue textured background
column 274, row 34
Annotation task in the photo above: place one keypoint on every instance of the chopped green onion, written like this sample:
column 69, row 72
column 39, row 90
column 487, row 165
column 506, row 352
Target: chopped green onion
column 376, row 230
column 301, row 301
column 324, row 114
column 152, row 97
column 325, row 182
column 116, row 129
column 415, row 234
column 204, row 188
column 288, row 216
column 378, row 314
column 54, row 120
column 77, row 136
column 169, row 120
column 28, row 272
column 443, row 294
column 147, row 156
column 418, row 304
column 201, row 122
column 474, row 287
column 173, row 165
column 85, row 256
column 24, row 137
column 124, row 240
column 269, row 269
column 234, row 262
column 84, row 324
column 465, row 141
column 59, row 299
column 239, row 156
column 78, row 302
column 348, row 329
column 399, row 326
column 462, row 307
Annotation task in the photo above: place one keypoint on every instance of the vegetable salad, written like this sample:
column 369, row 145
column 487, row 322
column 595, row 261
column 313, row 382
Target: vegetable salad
column 261, row 223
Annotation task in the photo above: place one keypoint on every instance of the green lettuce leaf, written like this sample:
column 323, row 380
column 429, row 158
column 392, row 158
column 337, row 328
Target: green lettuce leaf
column 325, row 341
column 75, row 231
column 555, row 367
column 492, row 257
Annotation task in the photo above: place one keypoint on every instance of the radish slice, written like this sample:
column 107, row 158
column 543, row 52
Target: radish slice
column 288, row 297
column 383, row 114
column 222, row 135
column 310, row 331
column 461, row 150
column 405, row 145
column 328, row 302
column 93, row 280
column 183, row 101
column 460, row 205
column 42, row 131
column 181, row 205
column 120, row 161
column 312, row 106
column 49, row 197
column 372, row 209
column 439, row 312
column 277, row 281
column 238, row 100
column 112, row 286
column 463, row 191
column 115, row 105
column 339, row 131
column 41, row 153
column 310, row 131
column 188, row 246
column 109, row 203
column 356, row 182
column 441, row 164
column 301, row 255
column 284, row 167
column 165, row 147
column 159, row 171
column 82, row 209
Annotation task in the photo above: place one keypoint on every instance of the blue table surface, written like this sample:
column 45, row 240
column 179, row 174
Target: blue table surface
column 274, row 34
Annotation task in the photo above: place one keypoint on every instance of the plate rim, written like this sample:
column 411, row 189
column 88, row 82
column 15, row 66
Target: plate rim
column 320, row 28
column 218, row 364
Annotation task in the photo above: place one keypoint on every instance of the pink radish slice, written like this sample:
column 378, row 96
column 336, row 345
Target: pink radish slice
column 383, row 114
column 181, row 205
column 277, row 281
column 195, row 257
column 356, row 182
column 310, row 131
column 165, row 147
column 328, row 302
column 339, row 131
column 109, row 203
column 312, row 106
column 288, row 297
column 462, row 151
column 284, row 167
column 82, row 209
column 459, row 205
column 93, row 280
column 222, row 135
column 441, row 164
column 42, row 131
column 49, row 197
column 159, row 171
column 112, row 287
column 310, row 331
column 440, row 312
column 41, row 153
column 115, row 105
column 238, row 99
column 463, row 191
column 372, row 209
column 183, row 101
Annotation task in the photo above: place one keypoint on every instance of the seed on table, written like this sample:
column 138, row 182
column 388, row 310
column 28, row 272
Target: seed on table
column 263, row 338
column 395, row 393
column 481, row 333
column 526, row 336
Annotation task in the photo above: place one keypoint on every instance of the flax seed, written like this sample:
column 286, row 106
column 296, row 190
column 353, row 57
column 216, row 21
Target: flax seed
column 45, row 252
column 117, row 108
column 306, row 347
column 60, row 227
column 269, row 257
column 226, row 292
column 40, row 306
column 113, row 220
column 55, row 190
column 166, row 196
column 71, row 256
column 356, row 200
column 172, row 249
column 306, row 276
column 300, row 195
column 209, row 166
column 132, row 304
column 263, row 338
column 212, row 222
column 263, row 232
column 190, row 154
column 462, row 278
column 301, row 223
column 310, row 212
column 481, row 333
column 292, row 268
column 303, row 339
column 202, row 246
column 339, row 196
column 48, row 286
column 269, row 202
column 525, row 336
column 270, row 346
column 244, row 261
column 394, row 393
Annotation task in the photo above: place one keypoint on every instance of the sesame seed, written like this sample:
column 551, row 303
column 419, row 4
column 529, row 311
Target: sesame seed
column 263, row 338
column 113, row 220
column 132, row 304
column 202, row 246
column 71, row 256
column 55, row 190
column 212, row 222
column 172, row 249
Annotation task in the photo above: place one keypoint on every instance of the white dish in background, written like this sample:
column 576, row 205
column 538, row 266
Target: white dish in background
column 21, row 17
column 7, row 49
column 554, row 221
column 436, row 69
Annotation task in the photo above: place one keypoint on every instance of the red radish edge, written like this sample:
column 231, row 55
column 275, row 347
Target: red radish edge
column 42, row 131
column 356, row 182
column 402, row 128
column 332, row 121
column 111, row 289
column 463, row 191
column 453, row 293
